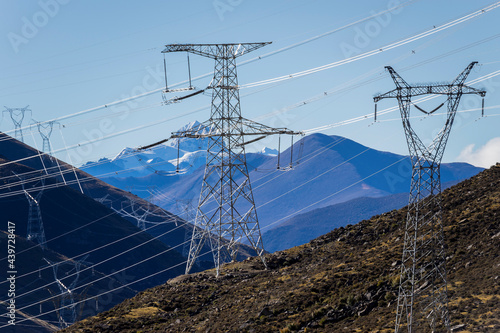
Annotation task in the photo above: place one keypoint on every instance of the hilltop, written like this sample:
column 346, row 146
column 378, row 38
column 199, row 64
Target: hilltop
column 344, row 281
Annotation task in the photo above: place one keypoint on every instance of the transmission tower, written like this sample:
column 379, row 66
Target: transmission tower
column 105, row 200
column 67, row 308
column 35, row 231
column 185, row 208
column 422, row 301
column 226, row 183
column 133, row 210
column 45, row 130
column 17, row 116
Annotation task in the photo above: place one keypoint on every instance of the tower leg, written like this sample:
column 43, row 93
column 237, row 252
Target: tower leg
column 422, row 291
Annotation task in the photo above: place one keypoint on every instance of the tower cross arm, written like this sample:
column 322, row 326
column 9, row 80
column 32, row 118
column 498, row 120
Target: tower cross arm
column 440, row 89
column 404, row 90
column 207, row 130
column 248, row 128
column 390, row 94
column 255, row 128
column 214, row 51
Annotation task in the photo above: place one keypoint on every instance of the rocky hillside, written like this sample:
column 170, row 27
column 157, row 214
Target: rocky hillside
column 344, row 281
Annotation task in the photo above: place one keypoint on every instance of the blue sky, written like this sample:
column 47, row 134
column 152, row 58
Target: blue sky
column 66, row 56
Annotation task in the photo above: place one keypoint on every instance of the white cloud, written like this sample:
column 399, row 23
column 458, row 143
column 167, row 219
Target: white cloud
column 484, row 156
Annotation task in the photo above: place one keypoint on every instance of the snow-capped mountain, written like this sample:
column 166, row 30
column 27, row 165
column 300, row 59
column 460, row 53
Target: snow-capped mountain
column 132, row 163
column 190, row 145
column 269, row 151
column 176, row 156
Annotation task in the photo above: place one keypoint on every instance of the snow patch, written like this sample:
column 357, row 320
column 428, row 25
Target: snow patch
column 269, row 151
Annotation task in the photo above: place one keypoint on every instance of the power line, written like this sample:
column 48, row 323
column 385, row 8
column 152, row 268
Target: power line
column 117, row 102
column 375, row 51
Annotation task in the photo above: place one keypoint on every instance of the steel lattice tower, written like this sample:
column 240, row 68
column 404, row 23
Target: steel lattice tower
column 422, row 301
column 17, row 116
column 185, row 208
column 45, row 130
column 226, row 183
column 66, row 311
column 35, row 230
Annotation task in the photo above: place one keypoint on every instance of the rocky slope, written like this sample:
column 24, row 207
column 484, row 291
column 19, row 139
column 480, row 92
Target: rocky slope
column 344, row 281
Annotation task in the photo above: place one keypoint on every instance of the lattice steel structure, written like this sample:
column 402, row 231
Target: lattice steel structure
column 422, row 300
column 35, row 230
column 17, row 116
column 142, row 214
column 66, row 309
column 134, row 211
column 226, row 213
column 45, row 130
column 185, row 209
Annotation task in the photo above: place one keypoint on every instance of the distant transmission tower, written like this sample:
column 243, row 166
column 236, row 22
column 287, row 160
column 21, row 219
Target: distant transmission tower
column 35, row 231
column 66, row 309
column 105, row 200
column 133, row 210
column 17, row 116
column 45, row 130
column 186, row 210
column 152, row 199
column 226, row 213
column 422, row 292
column 50, row 164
